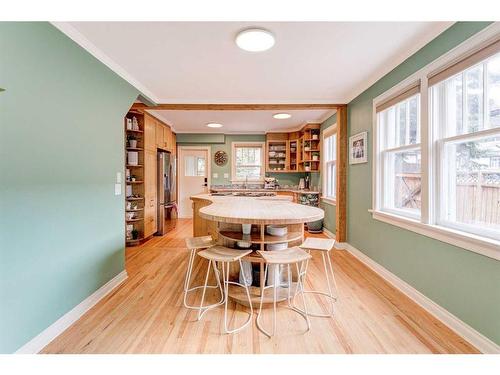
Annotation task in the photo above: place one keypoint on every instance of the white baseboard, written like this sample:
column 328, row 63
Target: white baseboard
column 338, row 245
column 482, row 343
column 59, row 326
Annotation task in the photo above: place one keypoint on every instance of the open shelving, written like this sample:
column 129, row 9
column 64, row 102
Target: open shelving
column 134, row 168
column 297, row 151
column 277, row 160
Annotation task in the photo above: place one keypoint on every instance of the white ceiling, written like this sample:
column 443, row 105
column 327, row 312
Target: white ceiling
column 239, row 121
column 198, row 62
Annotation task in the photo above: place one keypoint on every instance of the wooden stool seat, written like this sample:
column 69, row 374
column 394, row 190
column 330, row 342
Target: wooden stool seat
column 223, row 254
column 287, row 256
column 320, row 244
column 193, row 243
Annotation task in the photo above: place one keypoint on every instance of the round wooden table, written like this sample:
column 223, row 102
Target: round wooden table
column 229, row 212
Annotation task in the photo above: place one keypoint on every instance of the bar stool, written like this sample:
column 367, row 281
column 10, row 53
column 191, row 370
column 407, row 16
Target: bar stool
column 293, row 255
column 225, row 256
column 323, row 245
column 194, row 244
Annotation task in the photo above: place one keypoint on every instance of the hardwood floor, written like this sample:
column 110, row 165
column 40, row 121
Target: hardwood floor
column 145, row 314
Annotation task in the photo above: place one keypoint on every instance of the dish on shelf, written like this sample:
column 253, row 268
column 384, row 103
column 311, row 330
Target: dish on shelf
column 277, row 230
column 277, row 246
column 245, row 243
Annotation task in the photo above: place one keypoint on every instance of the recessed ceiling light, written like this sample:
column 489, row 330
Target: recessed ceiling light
column 282, row 116
column 214, row 125
column 255, row 40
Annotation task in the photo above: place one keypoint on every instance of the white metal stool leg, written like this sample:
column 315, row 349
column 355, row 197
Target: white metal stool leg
column 226, row 291
column 257, row 321
column 301, row 274
column 187, row 282
column 203, row 309
column 328, row 269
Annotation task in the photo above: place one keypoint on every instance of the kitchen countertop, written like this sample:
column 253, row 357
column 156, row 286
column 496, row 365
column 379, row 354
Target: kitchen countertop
column 289, row 190
column 257, row 210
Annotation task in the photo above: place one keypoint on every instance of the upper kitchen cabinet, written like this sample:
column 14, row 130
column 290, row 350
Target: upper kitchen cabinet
column 297, row 151
column 163, row 136
column 149, row 133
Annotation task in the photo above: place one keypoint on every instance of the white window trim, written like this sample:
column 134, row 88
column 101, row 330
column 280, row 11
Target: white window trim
column 234, row 145
column 427, row 224
column 326, row 133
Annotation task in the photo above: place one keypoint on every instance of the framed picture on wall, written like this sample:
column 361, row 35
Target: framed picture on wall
column 358, row 148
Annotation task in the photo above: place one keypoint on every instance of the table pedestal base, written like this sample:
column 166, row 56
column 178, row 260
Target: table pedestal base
column 238, row 295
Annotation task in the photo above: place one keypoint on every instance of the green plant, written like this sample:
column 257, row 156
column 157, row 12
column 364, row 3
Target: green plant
column 135, row 234
column 315, row 154
column 131, row 137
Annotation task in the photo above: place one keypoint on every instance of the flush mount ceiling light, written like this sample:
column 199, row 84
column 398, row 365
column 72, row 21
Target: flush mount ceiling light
column 255, row 40
column 282, row 116
column 214, row 125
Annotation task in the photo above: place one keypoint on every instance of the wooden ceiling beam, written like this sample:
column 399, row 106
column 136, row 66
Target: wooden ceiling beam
column 238, row 107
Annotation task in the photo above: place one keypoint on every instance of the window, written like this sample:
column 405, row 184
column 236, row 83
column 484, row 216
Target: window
column 330, row 164
column 400, row 156
column 466, row 115
column 194, row 166
column 437, row 149
column 247, row 161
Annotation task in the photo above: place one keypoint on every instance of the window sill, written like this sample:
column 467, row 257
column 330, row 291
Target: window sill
column 329, row 201
column 481, row 245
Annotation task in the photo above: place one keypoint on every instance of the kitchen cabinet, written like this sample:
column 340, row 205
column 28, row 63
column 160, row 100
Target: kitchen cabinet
column 163, row 136
column 167, row 138
column 297, row 151
column 174, row 144
column 150, row 221
column 159, row 135
column 149, row 133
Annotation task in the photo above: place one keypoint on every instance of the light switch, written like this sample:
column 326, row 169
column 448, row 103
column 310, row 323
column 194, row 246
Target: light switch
column 215, row 175
column 226, row 175
column 118, row 177
column 118, row 189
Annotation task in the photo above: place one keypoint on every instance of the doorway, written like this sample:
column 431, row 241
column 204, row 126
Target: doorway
column 194, row 176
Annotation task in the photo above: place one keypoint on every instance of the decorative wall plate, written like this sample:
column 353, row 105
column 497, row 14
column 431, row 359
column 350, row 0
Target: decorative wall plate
column 220, row 158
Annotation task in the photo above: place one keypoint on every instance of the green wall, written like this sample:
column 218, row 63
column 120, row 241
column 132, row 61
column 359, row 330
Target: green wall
column 61, row 145
column 224, row 144
column 465, row 283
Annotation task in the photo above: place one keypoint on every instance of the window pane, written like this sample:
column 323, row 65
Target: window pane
column 414, row 131
column 329, row 166
column 201, row 166
column 252, row 173
column 400, row 123
column 248, row 155
column 327, row 148
column 474, row 99
column 494, row 91
column 189, row 166
column 401, row 110
column 403, row 181
column 472, row 183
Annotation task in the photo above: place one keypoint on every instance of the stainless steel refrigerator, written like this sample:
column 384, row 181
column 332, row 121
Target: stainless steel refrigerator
column 166, row 178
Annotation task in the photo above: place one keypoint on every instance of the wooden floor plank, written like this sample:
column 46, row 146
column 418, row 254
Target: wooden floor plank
column 145, row 313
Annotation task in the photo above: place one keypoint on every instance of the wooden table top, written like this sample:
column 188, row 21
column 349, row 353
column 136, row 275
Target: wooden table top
column 257, row 210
